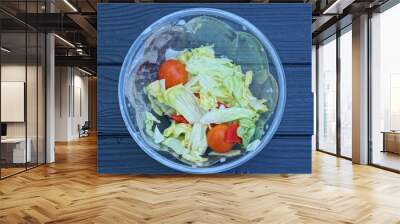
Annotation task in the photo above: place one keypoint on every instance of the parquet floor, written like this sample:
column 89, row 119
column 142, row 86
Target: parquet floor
column 70, row 191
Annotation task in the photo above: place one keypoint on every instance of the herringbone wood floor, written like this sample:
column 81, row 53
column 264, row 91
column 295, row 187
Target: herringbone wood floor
column 70, row 191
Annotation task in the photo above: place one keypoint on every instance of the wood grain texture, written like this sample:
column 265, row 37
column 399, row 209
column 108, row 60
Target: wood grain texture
column 282, row 155
column 297, row 119
column 286, row 25
column 70, row 191
column 288, row 28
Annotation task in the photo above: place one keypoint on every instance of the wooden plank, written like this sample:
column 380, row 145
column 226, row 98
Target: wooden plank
column 298, row 116
column 284, row 154
column 288, row 28
column 286, row 25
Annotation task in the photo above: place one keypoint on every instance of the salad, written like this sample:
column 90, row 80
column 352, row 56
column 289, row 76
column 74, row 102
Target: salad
column 210, row 108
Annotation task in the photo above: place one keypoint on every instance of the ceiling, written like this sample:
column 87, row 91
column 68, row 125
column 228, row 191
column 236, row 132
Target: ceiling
column 74, row 21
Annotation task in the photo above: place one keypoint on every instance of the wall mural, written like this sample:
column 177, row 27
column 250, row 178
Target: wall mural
column 204, row 88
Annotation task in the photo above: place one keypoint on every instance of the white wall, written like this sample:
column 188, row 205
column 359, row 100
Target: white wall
column 71, row 94
column 62, row 82
column 33, row 127
column 16, row 73
column 80, row 110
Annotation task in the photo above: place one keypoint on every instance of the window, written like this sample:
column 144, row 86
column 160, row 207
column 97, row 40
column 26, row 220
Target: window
column 385, row 89
column 327, row 95
column 346, row 92
column 22, row 77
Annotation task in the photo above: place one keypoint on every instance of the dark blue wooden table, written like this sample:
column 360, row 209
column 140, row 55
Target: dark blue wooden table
column 288, row 26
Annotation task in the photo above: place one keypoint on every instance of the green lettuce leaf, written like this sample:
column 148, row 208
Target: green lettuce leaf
column 219, row 79
column 175, row 145
column 260, row 124
column 158, row 137
column 205, row 51
column 248, row 78
column 193, row 84
column 246, row 130
column 184, row 102
column 179, row 149
column 207, row 100
column 221, row 67
column 179, row 131
column 253, row 145
column 238, row 85
column 231, row 153
column 219, row 116
column 149, row 122
column 156, row 94
column 156, row 89
column 198, row 139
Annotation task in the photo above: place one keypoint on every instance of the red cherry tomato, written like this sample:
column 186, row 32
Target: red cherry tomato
column 216, row 139
column 231, row 134
column 173, row 72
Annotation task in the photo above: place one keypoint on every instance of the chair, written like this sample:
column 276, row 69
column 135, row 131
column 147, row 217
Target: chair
column 84, row 130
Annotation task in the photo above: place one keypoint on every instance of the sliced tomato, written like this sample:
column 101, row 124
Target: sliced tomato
column 179, row 119
column 231, row 134
column 174, row 73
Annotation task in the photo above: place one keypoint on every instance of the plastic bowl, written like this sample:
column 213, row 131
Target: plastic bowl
column 233, row 37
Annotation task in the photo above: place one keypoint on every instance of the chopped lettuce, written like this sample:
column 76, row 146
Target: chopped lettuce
column 203, row 60
column 156, row 106
column 194, row 158
column 156, row 89
column 253, row 145
column 184, row 102
column 193, row 84
column 235, row 86
column 179, row 131
column 248, row 78
column 260, row 128
column 205, row 51
column 221, row 67
column 207, row 82
column 220, row 79
column 149, row 122
column 207, row 100
column 257, row 104
column 238, row 85
column 198, row 139
column 158, row 137
column 175, row 145
column 231, row 153
column 246, row 130
column 219, row 116
column 156, row 95
column 212, row 81
column 171, row 54
column 179, row 149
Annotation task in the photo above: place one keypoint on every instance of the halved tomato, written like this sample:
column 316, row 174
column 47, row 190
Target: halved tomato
column 174, row 73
